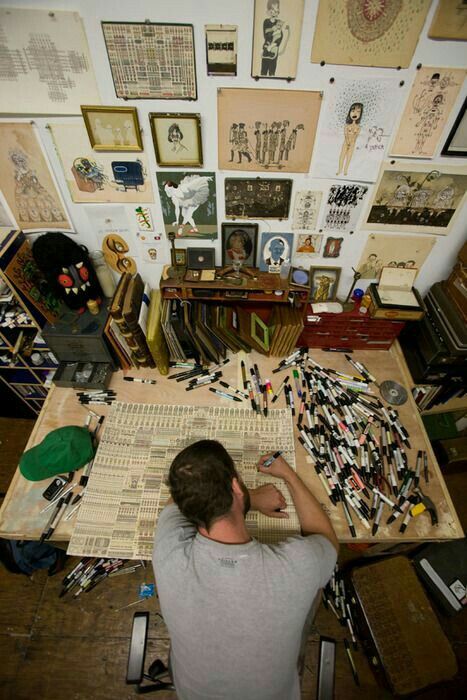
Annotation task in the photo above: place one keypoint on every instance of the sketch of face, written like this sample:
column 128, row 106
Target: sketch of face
column 410, row 263
column 274, row 9
column 393, row 263
column 420, row 198
column 19, row 159
column 175, row 135
column 445, row 197
column 401, row 193
column 276, row 248
column 152, row 252
column 438, row 100
column 355, row 113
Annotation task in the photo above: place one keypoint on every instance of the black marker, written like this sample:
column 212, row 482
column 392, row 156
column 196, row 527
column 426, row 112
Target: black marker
column 270, row 460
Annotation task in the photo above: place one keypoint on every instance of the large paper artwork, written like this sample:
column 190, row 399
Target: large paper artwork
column 416, row 198
column 266, row 130
column 368, row 33
column 100, row 177
column 343, row 207
column 306, row 210
column 188, row 202
column 450, row 21
column 355, row 128
column 428, row 106
column 45, row 66
column 393, row 251
column 276, row 38
column 27, row 182
column 151, row 61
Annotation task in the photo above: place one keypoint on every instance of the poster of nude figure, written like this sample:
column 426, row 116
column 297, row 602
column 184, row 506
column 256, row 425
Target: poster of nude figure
column 431, row 99
column 276, row 38
column 306, row 210
column 266, row 130
column 343, row 207
column 355, row 128
column 416, row 197
column 362, row 33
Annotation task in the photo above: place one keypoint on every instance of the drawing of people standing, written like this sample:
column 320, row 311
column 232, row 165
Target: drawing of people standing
column 257, row 134
column 265, row 144
column 233, row 140
column 243, row 145
column 351, row 132
column 273, row 32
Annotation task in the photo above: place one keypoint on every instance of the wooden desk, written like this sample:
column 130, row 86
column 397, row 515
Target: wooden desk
column 20, row 516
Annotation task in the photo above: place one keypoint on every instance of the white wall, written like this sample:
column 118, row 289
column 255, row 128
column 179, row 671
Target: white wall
column 309, row 77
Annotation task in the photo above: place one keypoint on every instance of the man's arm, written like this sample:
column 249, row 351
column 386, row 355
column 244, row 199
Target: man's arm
column 313, row 520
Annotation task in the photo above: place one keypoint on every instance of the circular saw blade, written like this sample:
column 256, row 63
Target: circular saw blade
column 393, row 393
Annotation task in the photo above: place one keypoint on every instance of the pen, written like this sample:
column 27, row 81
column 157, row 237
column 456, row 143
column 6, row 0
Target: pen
column 58, row 505
column 279, row 391
column 242, row 365
column 271, row 459
column 58, row 516
column 268, row 385
column 201, row 384
column 351, row 661
column 224, row 394
column 291, row 399
column 296, row 377
column 235, row 391
column 141, row 381
column 425, row 467
column 251, row 395
column 265, row 402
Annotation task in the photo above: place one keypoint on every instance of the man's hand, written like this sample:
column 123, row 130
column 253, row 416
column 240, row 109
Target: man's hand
column 279, row 467
column 268, row 500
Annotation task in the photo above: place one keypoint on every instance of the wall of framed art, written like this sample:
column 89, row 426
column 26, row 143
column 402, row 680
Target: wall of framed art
column 349, row 135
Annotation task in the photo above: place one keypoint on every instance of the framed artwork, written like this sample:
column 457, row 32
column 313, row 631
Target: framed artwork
column 343, row 207
column 276, row 249
column 239, row 243
column 306, row 210
column 151, row 60
column 323, row 283
column 430, row 101
column 177, row 139
column 393, row 251
column 456, row 142
column 178, row 257
column 332, row 248
column 201, row 258
column 99, row 177
column 450, row 21
column 276, row 38
column 355, row 128
column 299, row 278
column 221, row 49
column 112, row 128
column 188, row 202
column 266, row 130
column 259, row 332
column 307, row 245
column 45, row 64
column 415, row 197
column 362, row 33
column 26, row 181
column 257, row 198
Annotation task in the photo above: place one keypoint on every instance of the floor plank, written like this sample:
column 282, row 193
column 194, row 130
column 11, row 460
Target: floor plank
column 14, row 434
column 20, row 598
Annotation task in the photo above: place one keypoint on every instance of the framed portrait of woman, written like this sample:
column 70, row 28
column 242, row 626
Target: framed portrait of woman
column 177, row 139
column 239, row 243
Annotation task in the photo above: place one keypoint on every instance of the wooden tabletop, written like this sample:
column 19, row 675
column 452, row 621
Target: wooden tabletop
column 20, row 516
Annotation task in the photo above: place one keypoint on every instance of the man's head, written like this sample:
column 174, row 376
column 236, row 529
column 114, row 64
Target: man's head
column 203, row 483
column 276, row 247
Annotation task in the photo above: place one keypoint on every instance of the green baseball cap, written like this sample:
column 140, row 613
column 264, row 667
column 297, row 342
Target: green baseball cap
column 62, row 450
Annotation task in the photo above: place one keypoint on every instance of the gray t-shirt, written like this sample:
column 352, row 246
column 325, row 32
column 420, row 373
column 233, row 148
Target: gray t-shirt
column 236, row 613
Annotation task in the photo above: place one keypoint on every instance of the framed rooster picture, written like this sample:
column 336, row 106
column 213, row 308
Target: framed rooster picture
column 188, row 202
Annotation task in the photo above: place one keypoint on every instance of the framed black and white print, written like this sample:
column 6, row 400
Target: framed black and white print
column 257, row 198
column 151, row 60
column 201, row 258
column 239, row 243
column 177, row 139
column 221, row 49
column 456, row 142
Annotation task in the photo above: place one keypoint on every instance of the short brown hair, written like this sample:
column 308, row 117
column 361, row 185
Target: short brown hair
column 200, row 482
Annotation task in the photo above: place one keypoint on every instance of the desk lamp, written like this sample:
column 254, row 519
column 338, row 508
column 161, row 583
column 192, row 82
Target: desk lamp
column 136, row 657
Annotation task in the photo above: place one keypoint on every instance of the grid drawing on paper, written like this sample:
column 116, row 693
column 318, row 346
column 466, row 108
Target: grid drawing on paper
column 126, row 491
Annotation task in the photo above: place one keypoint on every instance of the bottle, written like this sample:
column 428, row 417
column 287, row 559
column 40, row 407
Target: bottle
column 285, row 270
column 103, row 273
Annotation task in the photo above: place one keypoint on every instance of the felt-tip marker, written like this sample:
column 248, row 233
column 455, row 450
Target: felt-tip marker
column 224, row 394
column 271, row 459
column 141, row 381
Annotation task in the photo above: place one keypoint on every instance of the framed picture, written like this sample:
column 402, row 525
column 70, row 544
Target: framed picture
column 266, row 130
column 332, row 247
column 178, row 257
column 257, row 198
column 151, row 61
column 276, row 38
column 177, row 139
column 276, row 248
column 308, row 246
column 188, row 202
column 112, row 128
column 239, row 243
column 323, row 283
column 259, row 332
column 299, row 278
column 456, row 142
column 221, row 49
column 201, row 258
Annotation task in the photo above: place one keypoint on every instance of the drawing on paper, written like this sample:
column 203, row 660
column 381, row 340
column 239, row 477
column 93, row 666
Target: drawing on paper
column 450, row 21
column 276, row 249
column 306, row 210
column 137, row 446
column 307, row 246
column 276, row 38
column 188, row 202
column 424, row 198
column 45, row 66
column 355, row 128
column 428, row 106
column 368, row 33
column 343, row 206
column 266, row 129
column 221, row 49
column 393, row 251
column 26, row 181
column 151, row 61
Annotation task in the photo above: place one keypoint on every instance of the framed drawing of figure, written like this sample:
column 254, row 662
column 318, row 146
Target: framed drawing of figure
column 239, row 243
column 177, row 139
column 112, row 128
column 276, row 249
column 323, row 284
column 276, row 38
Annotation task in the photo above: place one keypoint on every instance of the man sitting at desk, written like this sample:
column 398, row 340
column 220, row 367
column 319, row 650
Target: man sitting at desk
column 236, row 609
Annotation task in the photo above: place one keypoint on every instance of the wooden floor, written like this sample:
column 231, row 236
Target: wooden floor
column 60, row 649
